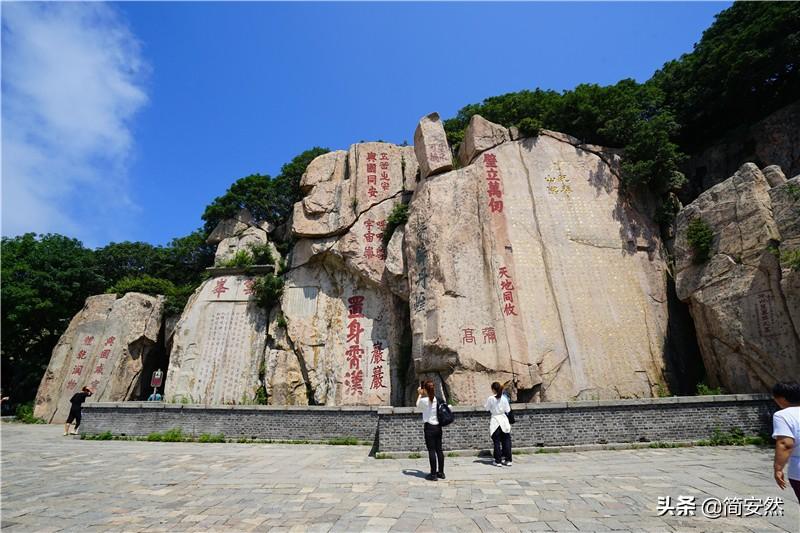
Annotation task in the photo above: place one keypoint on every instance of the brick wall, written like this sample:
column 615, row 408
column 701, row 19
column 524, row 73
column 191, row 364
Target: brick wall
column 256, row 422
column 400, row 428
column 588, row 422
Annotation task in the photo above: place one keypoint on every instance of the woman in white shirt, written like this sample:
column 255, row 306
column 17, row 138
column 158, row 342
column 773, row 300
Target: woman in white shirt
column 426, row 400
column 786, row 432
column 499, row 427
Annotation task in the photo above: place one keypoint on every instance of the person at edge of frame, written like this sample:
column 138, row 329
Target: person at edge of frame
column 786, row 432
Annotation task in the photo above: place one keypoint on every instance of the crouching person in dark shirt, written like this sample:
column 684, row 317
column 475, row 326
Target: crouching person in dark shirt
column 75, row 411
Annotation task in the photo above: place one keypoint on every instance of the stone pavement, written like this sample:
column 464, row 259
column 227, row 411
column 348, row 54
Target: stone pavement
column 52, row 483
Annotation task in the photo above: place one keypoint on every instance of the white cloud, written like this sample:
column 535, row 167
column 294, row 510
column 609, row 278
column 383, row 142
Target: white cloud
column 72, row 81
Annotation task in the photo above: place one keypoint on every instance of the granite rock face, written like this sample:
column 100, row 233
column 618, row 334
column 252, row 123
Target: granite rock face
column 218, row 344
column 528, row 267
column 104, row 348
column 430, row 146
column 744, row 302
column 481, row 135
column 342, row 324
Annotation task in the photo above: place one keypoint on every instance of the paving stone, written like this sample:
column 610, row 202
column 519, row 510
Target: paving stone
column 52, row 483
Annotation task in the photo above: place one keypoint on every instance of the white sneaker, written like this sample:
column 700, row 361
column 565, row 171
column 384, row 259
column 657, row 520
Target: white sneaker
column 508, row 463
column 497, row 464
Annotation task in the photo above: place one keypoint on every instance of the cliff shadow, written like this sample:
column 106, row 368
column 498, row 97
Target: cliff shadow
column 684, row 367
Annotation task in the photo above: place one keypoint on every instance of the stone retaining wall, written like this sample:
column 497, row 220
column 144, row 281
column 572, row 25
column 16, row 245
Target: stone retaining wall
column 235, row 421
column 400, row 428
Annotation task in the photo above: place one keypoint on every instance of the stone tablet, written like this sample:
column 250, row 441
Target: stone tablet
column 104, row 348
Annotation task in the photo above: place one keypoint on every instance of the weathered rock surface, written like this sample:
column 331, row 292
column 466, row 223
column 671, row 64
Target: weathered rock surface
column 774, row 140
column 218, row 345
column 231, row 227
column 430, row 146
column 481, row 135
column 346, row 333
column 104, row 348
column 241, row 234
column 774, row 175
column 745, row 306
column 529, row 267
column 343, row 327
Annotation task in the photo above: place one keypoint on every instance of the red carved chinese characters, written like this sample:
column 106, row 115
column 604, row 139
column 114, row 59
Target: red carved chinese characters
column 377, row 378
column 110, row 341
column 469, row 336
column 355, row 306
column 384, row 171
column 507, row 286
column 377, row 353
column 77, row 369
column 88, row 341
column 373, row 241
column 71, row 384
column 372, row 177
column 354, row 379
column 354, row 331
column 220, row 287
column 82, row 354
column 494, row 190
column 250, row 286
column 104, row 354
column 353, row 355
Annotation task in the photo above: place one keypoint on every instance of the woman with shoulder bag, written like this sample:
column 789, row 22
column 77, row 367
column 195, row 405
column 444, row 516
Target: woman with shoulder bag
column 499, row 426
column 426, row 400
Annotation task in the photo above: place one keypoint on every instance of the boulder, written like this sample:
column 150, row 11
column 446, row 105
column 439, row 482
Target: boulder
column 528, row 267
column 231, row 227
column 774, row 175
column 325, row 168
column 480, row 135
column 105, row 348
column 430, row 146
column 218, row 345
column 741, row 301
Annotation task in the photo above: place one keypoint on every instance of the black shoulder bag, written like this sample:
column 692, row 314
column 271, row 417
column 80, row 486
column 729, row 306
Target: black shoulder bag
column 443, row 413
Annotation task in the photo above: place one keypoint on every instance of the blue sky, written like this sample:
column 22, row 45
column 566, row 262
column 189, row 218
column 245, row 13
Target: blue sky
column 123, row 121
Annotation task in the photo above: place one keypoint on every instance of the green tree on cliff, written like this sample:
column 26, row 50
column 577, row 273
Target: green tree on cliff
column 745, row 66
column 45, row 282
column 270, row 199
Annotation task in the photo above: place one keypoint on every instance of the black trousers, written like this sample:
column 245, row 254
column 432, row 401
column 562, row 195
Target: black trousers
column 74, row 414
column 433, row 442
column 503, row 440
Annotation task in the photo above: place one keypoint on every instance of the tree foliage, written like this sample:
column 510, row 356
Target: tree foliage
column 45, row 281
column 47, row 278
column 267, row 199
column 628, row 114
column 746, row 65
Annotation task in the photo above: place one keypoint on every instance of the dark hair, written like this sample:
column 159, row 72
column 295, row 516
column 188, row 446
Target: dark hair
column 788, row 390
column 86, row 389
column 430, row 389
column 498, row 390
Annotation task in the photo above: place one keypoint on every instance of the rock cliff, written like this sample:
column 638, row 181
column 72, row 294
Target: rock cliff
column 521, row 262
column 104, row 348
column 744, row 302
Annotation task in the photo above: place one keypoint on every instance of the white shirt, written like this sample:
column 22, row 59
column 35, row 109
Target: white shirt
column 786, row 423
column 428, row 410
column 498, row 410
